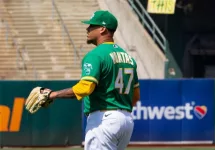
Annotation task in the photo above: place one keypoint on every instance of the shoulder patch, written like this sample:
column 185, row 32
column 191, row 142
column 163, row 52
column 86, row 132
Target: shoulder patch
column 87, row 68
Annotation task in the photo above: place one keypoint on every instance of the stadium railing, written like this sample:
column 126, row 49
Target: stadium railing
column 8, row 33
column 65, row 30
column 172, row 69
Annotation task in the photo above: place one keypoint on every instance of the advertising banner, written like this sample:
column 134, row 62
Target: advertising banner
column 173, row 112
column 57, row 125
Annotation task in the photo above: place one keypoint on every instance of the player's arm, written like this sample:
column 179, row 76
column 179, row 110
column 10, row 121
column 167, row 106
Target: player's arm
column 136, row 96
column 90, row 77
column 81, row 89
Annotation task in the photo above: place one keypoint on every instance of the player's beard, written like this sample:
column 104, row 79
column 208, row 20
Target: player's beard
column 91, row 41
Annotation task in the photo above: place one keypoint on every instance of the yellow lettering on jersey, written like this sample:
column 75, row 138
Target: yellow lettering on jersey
column 127, row 59
column 114, row 57
column 123, row 56
column 131, row 60
column 119, row 57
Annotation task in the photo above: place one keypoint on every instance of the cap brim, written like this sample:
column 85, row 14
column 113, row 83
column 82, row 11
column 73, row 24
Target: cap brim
column 86, row 21
column 90, row 22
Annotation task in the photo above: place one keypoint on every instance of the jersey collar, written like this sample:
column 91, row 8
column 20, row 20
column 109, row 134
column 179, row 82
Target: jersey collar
column 108, row 43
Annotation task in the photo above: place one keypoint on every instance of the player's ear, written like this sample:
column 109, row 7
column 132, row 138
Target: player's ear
column 103, row 30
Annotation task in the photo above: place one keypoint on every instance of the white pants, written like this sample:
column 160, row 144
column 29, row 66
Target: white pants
column 110, row 130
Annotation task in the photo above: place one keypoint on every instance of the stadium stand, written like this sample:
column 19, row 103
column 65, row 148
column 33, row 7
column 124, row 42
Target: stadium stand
column 45, row 41
column 52, row 39
column 10, row 60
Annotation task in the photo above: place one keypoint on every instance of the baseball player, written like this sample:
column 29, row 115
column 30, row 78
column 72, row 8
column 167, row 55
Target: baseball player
column 109, row 87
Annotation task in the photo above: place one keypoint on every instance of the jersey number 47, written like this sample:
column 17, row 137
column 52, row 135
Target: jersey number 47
column 119, row 80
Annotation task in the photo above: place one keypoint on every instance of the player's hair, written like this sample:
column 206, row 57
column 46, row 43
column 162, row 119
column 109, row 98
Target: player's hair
column 112, row 31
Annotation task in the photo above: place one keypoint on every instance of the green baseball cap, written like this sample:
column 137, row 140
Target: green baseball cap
column 103, row 18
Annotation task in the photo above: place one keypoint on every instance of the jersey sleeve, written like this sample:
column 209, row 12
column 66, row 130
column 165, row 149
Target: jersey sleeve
column 91, row 68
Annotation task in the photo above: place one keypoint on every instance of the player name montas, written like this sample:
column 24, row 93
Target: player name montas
column 121, row 57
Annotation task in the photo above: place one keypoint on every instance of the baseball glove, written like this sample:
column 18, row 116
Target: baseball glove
column 39, row 97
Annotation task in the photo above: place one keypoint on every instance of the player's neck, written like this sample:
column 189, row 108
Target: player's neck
column 104, row 40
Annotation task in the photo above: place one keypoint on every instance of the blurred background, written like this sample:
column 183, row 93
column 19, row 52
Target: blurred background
column 45, row 40
column 170, row 39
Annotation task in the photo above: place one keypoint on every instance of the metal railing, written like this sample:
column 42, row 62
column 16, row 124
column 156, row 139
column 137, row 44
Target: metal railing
column 15, row 43
column 55, row 8
column 8, row 34
column 172, row 69
column 150, row 24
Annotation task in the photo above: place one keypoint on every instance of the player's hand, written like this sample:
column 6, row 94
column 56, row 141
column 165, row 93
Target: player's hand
column 39, row 97
column 49, row 101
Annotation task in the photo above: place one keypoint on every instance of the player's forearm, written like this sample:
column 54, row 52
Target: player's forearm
column 80, row 90
column 136, row 96
column 65, row 93
column 134, row 102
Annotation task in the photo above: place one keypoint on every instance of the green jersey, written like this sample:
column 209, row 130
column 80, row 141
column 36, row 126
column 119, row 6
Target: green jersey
column 115, row 73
